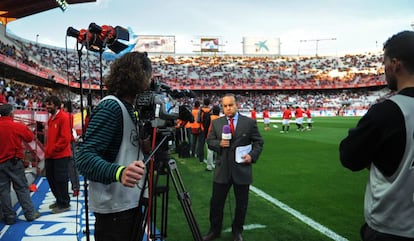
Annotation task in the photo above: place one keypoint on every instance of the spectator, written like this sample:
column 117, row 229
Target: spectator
column 3, row 95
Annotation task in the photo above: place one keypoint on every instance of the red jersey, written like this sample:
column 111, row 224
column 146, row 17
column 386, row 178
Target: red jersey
column 287, row 114
column 265, row 114
column 58, row 136
column 3, row 99
column 298, row 113
column 308, row 113
column 253, row 114
column 12, row 135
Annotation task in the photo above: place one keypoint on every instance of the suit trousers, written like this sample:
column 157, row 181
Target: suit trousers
column 220, row 191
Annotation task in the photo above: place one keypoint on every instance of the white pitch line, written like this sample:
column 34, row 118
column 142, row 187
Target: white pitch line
column 310, row 222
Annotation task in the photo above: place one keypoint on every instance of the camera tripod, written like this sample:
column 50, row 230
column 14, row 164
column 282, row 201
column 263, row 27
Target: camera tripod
column 149, row 205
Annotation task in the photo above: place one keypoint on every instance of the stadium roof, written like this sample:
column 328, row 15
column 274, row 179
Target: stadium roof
column 11, row 10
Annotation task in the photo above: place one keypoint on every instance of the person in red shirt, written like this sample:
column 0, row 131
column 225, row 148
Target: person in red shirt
column 266, row 119
column 11, row 166
column 253, row 113
column 3, row 97
column 308, row 118
column 299, row 118
column 58, row 154
column 286, row 116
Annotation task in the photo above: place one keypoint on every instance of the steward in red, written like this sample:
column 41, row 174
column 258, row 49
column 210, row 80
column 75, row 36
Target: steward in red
column 11, row 166
column 58, row 154
column 12, row 135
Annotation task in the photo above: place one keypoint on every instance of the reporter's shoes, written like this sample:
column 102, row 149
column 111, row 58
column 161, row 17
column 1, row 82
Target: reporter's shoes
column 238, row 237
column 211, row 236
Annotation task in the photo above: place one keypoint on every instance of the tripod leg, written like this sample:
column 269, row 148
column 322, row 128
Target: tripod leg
column 184, row 199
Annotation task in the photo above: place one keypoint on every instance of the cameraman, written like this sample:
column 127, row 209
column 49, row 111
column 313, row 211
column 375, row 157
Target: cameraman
column 383, row 143
column 111, row 156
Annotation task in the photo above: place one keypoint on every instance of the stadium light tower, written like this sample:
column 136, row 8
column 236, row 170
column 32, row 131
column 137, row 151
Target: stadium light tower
column 316, row 42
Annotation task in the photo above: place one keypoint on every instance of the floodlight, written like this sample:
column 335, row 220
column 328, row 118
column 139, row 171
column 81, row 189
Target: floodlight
column 63, row 5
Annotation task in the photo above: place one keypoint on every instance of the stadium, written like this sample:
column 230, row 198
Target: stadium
column 300, row 189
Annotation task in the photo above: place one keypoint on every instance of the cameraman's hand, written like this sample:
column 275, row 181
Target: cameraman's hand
column 133, row 173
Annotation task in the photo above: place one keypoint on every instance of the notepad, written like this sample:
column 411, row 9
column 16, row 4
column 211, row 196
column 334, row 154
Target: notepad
column 242, row 151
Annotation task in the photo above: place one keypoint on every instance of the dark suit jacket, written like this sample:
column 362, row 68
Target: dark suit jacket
column 226, row 167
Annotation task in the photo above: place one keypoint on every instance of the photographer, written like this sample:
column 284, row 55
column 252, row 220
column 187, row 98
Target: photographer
column 111, row 156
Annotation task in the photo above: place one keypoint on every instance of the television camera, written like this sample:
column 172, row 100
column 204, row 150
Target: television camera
column 158, row 111
column 159, row 107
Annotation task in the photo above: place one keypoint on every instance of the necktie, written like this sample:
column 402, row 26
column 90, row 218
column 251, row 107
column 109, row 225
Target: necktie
column 231, row 125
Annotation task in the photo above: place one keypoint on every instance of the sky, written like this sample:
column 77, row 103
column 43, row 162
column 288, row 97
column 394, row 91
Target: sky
column 304, row 27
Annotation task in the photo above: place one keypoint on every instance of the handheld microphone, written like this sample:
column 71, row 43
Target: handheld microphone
column 226, row 133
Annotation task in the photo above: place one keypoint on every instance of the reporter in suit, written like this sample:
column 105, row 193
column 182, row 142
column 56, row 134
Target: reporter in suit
column 228, row 172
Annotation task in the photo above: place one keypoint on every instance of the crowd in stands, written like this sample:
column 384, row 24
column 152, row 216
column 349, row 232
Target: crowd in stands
column 238, row 71
column 21, row 56
column 24, row 96
column 235, row 72
column 216, row 71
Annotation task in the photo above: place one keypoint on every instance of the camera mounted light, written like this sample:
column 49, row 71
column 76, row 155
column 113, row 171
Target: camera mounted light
column 71, row 32
column 85, row 37
column 109, row 36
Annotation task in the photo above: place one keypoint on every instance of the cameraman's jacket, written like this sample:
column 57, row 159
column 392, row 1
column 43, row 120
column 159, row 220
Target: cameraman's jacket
column 114, row 197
